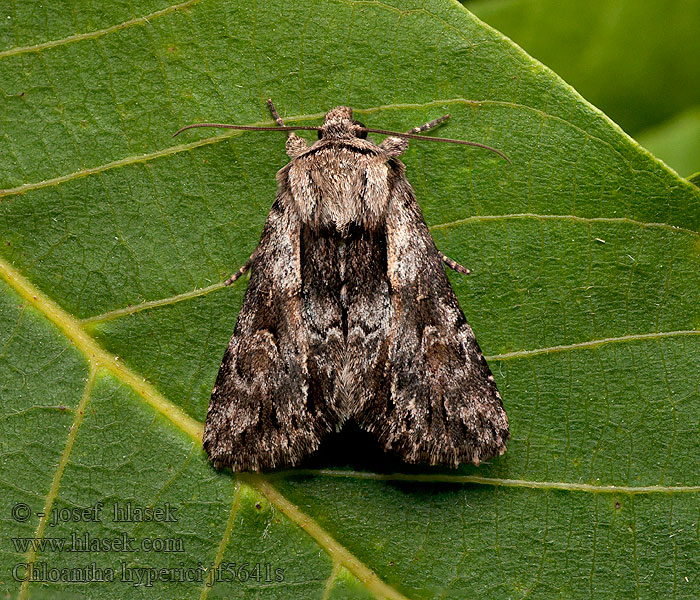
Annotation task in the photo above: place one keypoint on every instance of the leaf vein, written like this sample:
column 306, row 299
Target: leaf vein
column 577, row 218
column 493, row 481
column 208, row 584
column 120, row 312
column 171, row 150
column 331, row 580
column 337, row 552
column 58, row 474
column 91, row 35
column 592, row 344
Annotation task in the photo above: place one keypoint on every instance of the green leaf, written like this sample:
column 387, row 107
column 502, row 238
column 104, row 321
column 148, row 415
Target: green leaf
column 677, row 141
column 631, row 58
column 115, row 240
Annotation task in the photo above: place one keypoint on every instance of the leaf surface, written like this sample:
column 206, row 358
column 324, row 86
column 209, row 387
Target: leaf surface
column 631, row 58
column 115, row 240
column 676, row 142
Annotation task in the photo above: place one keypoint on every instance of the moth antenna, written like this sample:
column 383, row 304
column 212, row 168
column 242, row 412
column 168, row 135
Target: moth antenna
column 429, row 138
column 366, row 129
column 243, row 127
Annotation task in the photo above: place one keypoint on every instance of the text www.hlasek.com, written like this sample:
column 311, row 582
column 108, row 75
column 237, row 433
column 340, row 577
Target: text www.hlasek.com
column 87, row 543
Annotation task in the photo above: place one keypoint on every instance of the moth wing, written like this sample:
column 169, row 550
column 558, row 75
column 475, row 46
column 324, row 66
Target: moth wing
column 259, row 414
column 440, row 404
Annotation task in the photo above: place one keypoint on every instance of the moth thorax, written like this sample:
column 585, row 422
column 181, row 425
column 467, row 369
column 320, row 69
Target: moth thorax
column 338, row 192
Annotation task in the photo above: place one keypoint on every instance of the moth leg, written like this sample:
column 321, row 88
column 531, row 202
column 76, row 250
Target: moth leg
column 295, row 144
column 429, row 125
column 453, row 264
column 396, row 146
column 240, row 271
column 275, row 114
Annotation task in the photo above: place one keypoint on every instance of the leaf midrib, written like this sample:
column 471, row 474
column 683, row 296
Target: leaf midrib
column 98, row 358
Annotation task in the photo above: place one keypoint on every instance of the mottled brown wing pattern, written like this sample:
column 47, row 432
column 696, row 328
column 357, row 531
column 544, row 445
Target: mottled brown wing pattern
column 266, row 410
column 349, row 314
column 368, row 309
column 440, row 404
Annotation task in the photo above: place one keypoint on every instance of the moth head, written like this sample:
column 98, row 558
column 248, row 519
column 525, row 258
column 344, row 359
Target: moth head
column 340, row 124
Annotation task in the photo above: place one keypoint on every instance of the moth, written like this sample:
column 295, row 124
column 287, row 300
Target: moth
column 349, row 314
